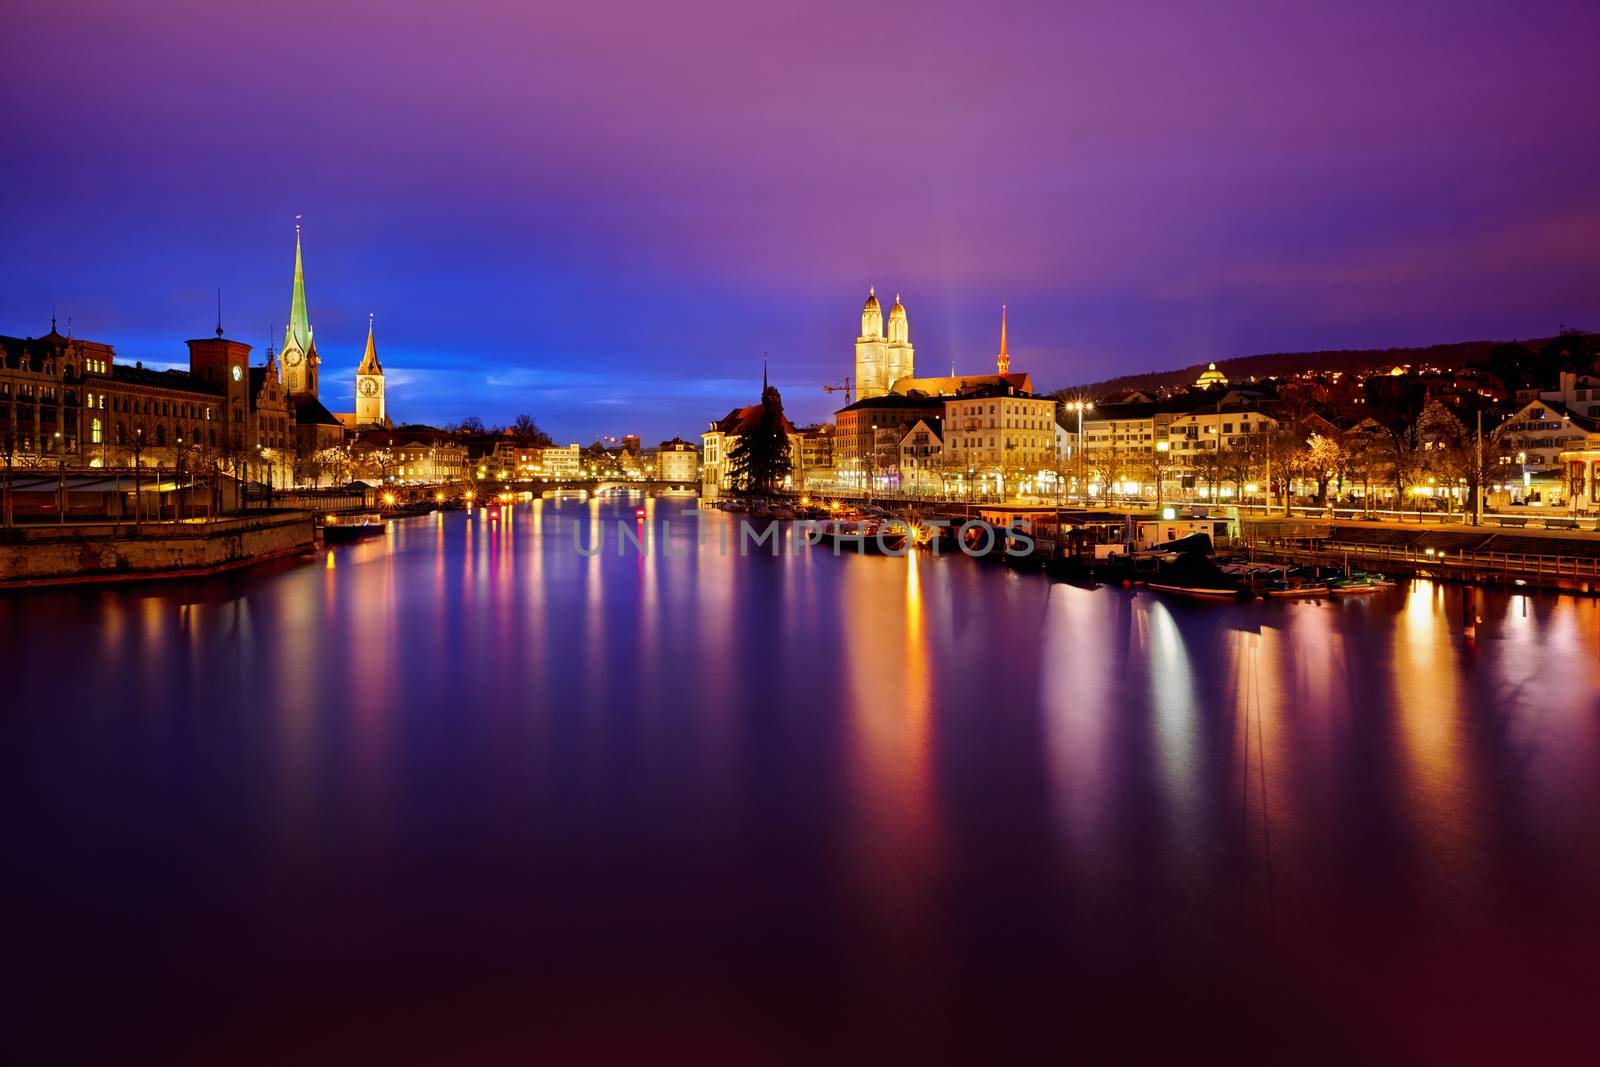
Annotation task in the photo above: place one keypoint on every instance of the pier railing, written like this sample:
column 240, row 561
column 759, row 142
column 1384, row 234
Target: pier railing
column 1511, row 564
column 1536, row 564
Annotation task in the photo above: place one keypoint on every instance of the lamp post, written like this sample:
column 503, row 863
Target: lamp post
column 1161, row 449
column 138, row 459
column 872, row 459
column 61, row 483
column 1477, row 477
column 1080, row 406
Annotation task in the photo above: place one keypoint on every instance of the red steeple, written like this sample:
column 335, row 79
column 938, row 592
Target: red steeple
column 1003, row 361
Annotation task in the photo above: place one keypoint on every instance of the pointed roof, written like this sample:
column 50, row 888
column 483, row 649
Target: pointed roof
column 369, row 362
column 298, row 332
column 1003, row 360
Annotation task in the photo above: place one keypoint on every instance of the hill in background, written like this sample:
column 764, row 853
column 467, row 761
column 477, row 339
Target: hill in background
column 1286, row 364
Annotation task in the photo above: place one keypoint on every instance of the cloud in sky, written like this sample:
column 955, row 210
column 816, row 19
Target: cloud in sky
column 576, row 209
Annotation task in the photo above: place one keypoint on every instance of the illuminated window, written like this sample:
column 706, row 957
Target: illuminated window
column 94, row 432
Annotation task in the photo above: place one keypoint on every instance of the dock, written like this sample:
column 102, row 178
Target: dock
column 1567, row 560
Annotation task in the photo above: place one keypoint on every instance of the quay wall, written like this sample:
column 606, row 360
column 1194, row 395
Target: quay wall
column 1566, row 560
column 101, row 552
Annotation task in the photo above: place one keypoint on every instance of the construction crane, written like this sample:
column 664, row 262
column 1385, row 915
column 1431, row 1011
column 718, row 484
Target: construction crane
column 842, row 387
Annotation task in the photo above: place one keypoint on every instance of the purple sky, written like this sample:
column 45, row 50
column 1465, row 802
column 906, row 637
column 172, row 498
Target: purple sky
column 602, row 214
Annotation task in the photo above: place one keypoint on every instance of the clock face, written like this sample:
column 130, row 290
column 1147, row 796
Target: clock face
column 292, row 357
column 238, row 372
column 368, row 387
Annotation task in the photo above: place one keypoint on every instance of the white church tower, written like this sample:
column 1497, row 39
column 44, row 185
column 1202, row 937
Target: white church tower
column 882, row 360
column 369, row 387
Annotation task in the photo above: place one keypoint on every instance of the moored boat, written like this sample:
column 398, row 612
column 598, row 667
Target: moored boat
column 343, row 529
column 1204, row 592
column 1297, row 589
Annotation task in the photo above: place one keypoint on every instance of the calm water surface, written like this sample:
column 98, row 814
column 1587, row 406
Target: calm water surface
column 465, row 795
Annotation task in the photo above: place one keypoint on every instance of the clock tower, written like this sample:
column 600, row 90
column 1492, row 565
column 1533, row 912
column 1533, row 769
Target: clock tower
column 299, row 355
column 369, row 386
column 224, row 368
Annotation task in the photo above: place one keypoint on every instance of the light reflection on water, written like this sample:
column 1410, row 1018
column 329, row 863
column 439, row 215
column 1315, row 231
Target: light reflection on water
column 900, row 799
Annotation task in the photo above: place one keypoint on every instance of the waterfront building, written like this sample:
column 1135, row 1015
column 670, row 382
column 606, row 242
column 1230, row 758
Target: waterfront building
column 272, row 420
column 1116, row 435
column 562, row 461
column 511, row 456
column 719, row 439
column 1001, row 433
column 1218, row 449
column 422, row 455
column 677, row 461
column 1541, row 430
column 64, row 400
column 811, row 453
column 1581, row 467
column 859, row 453
column 921, row 460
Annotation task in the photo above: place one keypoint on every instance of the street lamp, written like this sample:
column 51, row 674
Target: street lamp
column 872, row 459
column 1080, row 406
column 61, row 481
column 138, row 462
column 1161, row 448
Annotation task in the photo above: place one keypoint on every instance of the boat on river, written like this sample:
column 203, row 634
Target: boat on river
column 1297, row 589
column 1203, row 592
column 345, row 529
column 866, row 534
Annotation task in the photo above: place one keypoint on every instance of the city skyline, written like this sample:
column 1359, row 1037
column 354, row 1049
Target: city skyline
column 623, row 214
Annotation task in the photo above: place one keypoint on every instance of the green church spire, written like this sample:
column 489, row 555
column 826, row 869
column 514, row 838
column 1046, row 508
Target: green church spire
column 299, row 331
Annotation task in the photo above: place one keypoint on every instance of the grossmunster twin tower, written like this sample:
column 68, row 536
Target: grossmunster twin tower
column 886, row 360
column 65, row 399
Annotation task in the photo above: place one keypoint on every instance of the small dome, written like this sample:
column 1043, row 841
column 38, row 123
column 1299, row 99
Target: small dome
column 898, row 311
column 872, row 302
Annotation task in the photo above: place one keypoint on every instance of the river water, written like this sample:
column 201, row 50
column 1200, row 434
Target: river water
column 464, row 794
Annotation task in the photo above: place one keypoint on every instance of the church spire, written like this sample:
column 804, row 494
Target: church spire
column 1003, row 360
column 369, row 362
column 299, row 324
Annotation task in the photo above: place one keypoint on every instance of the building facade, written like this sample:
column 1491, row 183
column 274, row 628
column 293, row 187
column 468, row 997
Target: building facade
column 1001, row 432
column 882, row 356
column 562, row 461
column 922, row 456
column 677, row 461
column 859, row 456
column 409, row 456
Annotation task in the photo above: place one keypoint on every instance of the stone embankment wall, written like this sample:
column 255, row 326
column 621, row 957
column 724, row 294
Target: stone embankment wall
column 100, row 552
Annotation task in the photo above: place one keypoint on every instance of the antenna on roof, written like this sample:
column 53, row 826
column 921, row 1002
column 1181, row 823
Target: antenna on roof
column 219, row 311
column 52, row 318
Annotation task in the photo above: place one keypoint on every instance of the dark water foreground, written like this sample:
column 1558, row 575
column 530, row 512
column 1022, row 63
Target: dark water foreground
column 469, row 797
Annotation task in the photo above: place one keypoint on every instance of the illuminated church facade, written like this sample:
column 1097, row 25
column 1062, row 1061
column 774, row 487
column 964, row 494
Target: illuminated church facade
column 886, row 360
